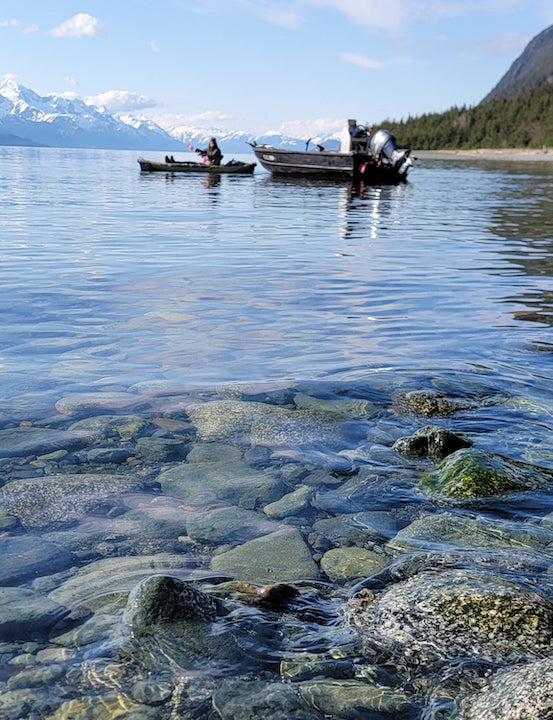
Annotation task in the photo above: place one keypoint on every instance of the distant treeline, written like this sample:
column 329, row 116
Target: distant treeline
column 522, row 122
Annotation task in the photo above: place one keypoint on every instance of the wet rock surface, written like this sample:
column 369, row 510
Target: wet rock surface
column 195, row 554
column 466, row 613
column 473, row 473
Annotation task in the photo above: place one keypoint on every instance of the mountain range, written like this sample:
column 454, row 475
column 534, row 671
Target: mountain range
column 27, row 118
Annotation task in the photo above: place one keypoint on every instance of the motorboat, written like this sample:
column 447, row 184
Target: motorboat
column 235, row 167
column 373, row 158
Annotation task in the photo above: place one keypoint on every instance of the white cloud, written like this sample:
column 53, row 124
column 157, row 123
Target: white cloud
column 70, row 80
column 206, row 119
column 305, row 129
column 13, row 23
column 30, row 29
column 385, row 14
column 80, row 25
column 154, row 46
column 506, row 45
column 361, row 60
column 120, row 101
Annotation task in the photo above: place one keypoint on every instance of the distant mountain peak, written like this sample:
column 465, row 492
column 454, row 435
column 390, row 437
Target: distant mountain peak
column 532, row 68
column 65, row 120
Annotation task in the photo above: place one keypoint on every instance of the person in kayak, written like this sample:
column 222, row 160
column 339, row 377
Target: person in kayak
column 212, row 152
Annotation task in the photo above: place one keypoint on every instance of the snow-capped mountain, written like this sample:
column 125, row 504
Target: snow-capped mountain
column 27, row 118
column 62, row 121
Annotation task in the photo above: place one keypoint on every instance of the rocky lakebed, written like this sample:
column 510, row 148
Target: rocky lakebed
column 293, row 551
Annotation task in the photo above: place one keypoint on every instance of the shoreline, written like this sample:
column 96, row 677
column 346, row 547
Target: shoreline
column 508, row 154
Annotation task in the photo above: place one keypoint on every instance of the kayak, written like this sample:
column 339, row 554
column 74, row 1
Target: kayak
column 233, row 167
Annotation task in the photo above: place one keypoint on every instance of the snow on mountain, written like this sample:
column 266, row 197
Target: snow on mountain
column 63, row 121
column 68, row 121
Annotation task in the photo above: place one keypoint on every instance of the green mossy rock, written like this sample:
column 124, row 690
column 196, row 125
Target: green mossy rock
column 470, row 473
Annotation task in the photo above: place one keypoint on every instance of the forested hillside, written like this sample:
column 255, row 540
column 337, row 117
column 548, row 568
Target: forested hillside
column 525, row 121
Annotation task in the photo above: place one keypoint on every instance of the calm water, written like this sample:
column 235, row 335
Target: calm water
column 114, row 282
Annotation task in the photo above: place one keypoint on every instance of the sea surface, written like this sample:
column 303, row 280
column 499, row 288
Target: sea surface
column 191, row 364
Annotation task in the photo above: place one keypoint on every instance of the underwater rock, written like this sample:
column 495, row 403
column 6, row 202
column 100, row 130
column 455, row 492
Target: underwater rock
column 358, row 529
column 356, row 494
column 215, row 452
column 106, row 401
column 209, row 483
column 255, row 699
column 348, row 407
column 352, row 562
column 434, row 532
column 159, row 449
column 290, row 504
column 524, row 693
column 354, row 698
column 437, row 616
column 307, row 667
column 281, row 556
column 104, row 707
column 27, row 556
column 61, row 499
column 262, row 424
column 228, row 525
column 103, row 586
column 27, row 616
column 471, row 473
column 428, row 403
column 162, row 599
column 30, row 441
column 109, row 455
column 105, row 427
column 432, row 441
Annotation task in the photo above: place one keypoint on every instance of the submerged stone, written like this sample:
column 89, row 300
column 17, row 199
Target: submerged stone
column 347, row 698
column 428, row 403
column 124, row 427
column 209, row 483
column 26, row 556
column 282, row 556
column 433, row 532
column 31, row 441
column 470, row 473
column 263, row 424
column 104, row 585
column 524, row 693
column 290, row 504
column 228, row 525
column 437, row 616
column 431, row 441
column 352, row 562
column 255, row 699
column 61, row 499
column 162, row 599
column 27, row 616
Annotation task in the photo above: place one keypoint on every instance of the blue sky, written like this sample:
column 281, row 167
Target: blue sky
column 289, row 65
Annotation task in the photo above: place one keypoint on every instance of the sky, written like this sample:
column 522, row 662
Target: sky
column 299, row 67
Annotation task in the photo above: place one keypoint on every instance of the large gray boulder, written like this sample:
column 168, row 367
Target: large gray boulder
column 524, row 693
column 437, row 616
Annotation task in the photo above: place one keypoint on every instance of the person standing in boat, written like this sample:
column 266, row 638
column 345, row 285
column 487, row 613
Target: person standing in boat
column 212, row 152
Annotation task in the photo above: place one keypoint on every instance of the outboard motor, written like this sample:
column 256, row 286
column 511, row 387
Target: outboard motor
column 383, row 145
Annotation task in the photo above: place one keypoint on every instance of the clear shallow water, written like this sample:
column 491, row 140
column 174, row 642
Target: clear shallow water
column 176, row 290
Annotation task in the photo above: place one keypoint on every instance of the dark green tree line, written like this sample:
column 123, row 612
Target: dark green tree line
column 522, row 122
